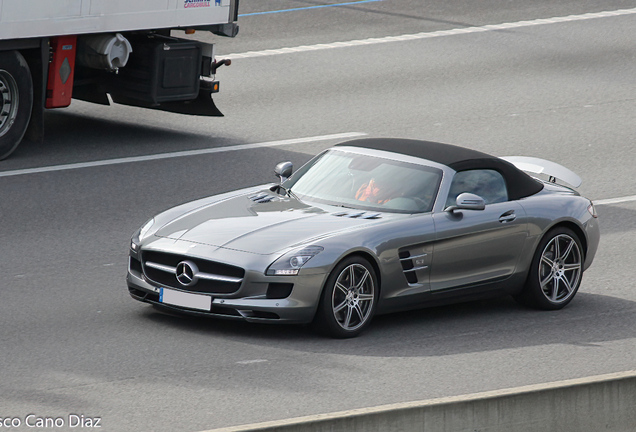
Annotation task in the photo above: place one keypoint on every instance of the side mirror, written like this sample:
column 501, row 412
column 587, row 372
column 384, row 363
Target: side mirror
column 283, row 170
column 468, row 201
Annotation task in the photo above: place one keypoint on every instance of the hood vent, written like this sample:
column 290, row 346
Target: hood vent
column 358, row 215
column 262, row 198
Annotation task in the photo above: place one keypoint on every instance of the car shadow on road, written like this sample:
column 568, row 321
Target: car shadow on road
column 461, row 328
column 70, row 136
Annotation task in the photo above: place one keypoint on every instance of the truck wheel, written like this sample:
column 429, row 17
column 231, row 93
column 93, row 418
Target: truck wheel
column 16, row 100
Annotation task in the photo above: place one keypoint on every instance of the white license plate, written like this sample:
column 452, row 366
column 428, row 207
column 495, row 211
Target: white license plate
column 183, row 299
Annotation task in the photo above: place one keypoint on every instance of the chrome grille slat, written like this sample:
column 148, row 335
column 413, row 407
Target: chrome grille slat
column 161, row 267
column 213, row 277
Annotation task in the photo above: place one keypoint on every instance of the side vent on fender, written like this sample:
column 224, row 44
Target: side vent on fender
column 412, row 264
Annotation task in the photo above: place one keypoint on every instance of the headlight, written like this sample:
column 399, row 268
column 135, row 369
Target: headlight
column 290, row 263
column 592, row 210
column 144, row 229
column 139, row 235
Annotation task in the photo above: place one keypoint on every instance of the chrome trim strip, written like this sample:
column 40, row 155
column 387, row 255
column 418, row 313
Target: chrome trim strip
column 208, row 276
column 415, row 268
column 161, row 267
column 412, row 257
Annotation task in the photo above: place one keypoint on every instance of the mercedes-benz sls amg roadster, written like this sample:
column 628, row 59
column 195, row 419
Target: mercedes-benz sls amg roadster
column 368, row 227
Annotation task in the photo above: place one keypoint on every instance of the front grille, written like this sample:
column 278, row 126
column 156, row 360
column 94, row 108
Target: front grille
column 215, row 277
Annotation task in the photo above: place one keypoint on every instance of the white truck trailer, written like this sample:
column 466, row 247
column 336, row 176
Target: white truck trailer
column 103, row 50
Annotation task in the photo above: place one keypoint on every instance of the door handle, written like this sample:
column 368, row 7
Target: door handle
column 508, row 216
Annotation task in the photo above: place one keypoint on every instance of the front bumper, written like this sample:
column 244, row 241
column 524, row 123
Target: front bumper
column 250, row 302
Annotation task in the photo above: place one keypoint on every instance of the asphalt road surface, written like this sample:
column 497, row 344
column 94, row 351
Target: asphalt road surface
column 72, row 341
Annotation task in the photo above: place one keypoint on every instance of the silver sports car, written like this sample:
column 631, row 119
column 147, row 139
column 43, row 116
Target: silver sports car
column 368, row 227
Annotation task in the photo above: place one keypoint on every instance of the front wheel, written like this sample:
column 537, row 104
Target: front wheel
column 348, row 299
column 16, row 100
column 556, row 271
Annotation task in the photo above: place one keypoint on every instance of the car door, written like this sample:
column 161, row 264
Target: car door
column 405, row 252
column 476, row 246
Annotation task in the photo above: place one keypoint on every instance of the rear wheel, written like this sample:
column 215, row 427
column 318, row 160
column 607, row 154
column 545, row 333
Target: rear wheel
column 556, row 271
column 16, row 100
column 348, row 299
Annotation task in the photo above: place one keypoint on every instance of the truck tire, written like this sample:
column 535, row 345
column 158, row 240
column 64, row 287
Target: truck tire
column 16, row 100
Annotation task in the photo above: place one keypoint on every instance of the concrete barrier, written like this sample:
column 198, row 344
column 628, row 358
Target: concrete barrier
column 593, row 404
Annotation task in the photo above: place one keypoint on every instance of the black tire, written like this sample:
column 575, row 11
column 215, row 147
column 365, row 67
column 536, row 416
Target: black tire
column 556, row 271
column 16, row 100
column 348, row 300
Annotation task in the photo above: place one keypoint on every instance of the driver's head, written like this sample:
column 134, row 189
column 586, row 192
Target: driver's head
column 371, row 192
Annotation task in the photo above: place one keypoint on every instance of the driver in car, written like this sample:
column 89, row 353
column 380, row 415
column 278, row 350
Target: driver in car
column 372, row 192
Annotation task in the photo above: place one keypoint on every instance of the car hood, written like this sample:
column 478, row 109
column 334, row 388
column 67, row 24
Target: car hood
column 262, row 226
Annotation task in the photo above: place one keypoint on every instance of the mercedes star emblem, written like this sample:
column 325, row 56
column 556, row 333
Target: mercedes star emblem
column 186, row 273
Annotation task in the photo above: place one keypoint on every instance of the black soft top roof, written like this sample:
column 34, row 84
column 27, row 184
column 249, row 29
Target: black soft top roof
column 518, row 183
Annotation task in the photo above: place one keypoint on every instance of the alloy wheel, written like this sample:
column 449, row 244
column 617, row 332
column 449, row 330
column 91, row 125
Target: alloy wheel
column 560, row 268
column 353, row 297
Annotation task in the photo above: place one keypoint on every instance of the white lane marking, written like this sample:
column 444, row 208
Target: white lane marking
column 181, row 154
column 426, row 35
column 244, row 362
column 615, row 200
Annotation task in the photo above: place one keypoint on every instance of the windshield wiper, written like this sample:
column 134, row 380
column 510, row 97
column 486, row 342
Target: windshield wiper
column 291, row 194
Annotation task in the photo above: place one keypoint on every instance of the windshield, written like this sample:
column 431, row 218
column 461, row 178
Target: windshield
column 367, row 183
